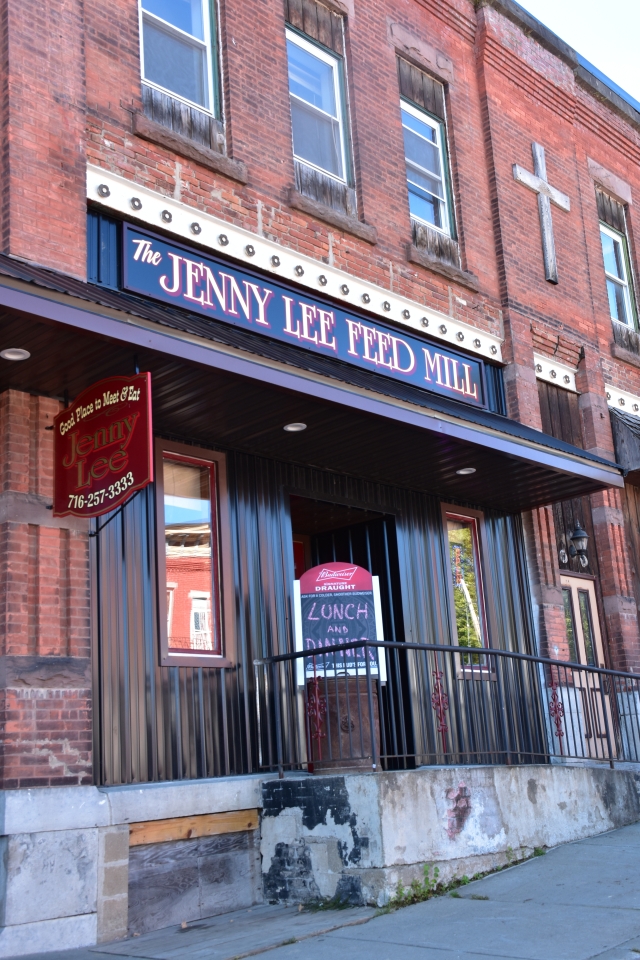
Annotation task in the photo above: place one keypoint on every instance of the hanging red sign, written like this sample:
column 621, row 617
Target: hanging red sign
column 103, row 447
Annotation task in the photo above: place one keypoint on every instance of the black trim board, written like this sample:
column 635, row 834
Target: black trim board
column 525, row 444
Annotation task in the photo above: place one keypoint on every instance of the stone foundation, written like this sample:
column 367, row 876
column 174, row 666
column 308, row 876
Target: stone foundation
column 356, row 837
column 70, row 877
column 74, row 875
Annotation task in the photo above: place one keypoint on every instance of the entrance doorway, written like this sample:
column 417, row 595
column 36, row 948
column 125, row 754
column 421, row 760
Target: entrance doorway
column 325, row 532
column 591, row 715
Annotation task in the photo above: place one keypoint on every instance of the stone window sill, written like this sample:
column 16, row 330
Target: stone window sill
column 340, row 220
column 156, row 133
column 621, row 353
column 423, row 259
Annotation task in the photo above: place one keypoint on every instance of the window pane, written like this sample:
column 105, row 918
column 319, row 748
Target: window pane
column 613, row 256
column 311, row 79
column 568, row 619
column 421, row 127
column 427, row 208
column 175, row 64
column 316, row 138
column 424, row 171
column 188, row 540
column 617, row 301
column 464, row 569
column 184, row 14
column 424, row 152
column 587, row 627
column 423, row 181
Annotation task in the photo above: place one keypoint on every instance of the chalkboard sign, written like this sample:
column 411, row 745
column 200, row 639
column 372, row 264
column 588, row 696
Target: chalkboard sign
column 336, row 603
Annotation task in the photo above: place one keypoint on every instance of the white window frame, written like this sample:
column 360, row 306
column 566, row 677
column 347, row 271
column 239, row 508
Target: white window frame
column 202, row 597
column 171, row 596
column 334, row 62
column 436, row 125
column 205, row 45
column 626, row 283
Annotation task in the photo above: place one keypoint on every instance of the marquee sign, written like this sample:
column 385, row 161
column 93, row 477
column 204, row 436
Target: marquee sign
column 336, row 603
column 202, row 284
column 103, row 447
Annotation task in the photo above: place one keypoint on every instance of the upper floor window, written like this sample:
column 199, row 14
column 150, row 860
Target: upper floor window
column 615, row 253
column 426, row 168
column 176, row 40
column 616, row 268
column 317, row 106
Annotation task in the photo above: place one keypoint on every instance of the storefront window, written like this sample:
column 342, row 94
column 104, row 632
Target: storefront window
column 587, row 628
column 570, row 624
column 191, row 555
column 462, row 534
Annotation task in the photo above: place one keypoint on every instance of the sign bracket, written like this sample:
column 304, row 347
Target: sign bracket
column 94, row 533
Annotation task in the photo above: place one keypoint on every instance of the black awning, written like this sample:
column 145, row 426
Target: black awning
column 216, row 388
column 626, row 439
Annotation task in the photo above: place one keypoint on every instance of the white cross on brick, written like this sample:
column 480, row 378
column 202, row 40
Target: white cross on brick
column 537, row 181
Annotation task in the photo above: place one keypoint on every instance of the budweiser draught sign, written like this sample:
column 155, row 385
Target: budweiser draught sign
column 103, row 447
column 336, row 604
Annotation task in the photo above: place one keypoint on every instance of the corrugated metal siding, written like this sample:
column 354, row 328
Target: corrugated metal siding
column 175, row 723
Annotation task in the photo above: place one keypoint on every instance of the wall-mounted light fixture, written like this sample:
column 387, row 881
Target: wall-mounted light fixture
column 579, row 539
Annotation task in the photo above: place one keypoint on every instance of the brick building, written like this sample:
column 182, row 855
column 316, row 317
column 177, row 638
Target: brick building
column 397, row 327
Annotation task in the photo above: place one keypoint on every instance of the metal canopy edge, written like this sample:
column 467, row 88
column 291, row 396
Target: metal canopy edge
column 146, row 334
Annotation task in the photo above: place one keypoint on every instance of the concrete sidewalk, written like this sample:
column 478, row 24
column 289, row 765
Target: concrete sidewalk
column 580, row 901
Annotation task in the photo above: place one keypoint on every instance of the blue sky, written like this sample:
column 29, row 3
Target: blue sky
column 606, row 32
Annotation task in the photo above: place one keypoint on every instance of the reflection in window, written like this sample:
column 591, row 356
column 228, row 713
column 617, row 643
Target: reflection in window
column 571, row 627
column 190, row 555
column 201, row 623
column 463, row 554
column 587, row 626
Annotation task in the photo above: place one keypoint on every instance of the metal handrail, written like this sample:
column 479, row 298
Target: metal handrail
column 429, row 709
column 445, row 648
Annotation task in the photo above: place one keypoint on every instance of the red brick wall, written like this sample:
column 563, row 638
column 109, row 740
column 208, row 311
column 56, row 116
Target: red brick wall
column 507, row 91
column 259, row 134
column 42, row 74
column 186, row 575
column 69, row 89
column 531, row 95
column 44, row 610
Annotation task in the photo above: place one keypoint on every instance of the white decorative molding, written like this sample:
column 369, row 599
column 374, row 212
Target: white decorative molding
column 160, row 212
column 553, row 371
column 621, row 400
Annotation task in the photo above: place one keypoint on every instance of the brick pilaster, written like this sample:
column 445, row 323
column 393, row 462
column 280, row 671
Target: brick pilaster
column 42, row 158
column 44, row 610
